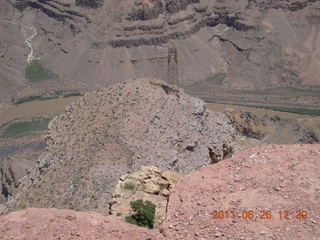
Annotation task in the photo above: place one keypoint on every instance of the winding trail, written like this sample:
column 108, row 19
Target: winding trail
column 28, row 40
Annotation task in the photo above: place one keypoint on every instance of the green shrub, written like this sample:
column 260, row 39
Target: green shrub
column 144, row 212
column 72, row 94
column 302, row 111
column 57, row 94
column 130, row 186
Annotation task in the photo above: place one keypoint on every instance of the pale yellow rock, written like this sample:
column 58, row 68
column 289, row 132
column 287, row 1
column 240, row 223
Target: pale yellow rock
column 150, row 169
column 151, row 188
column 165, row 192
column 163, row 183
column 172, row 177
column 123, row 177
column 153, row 184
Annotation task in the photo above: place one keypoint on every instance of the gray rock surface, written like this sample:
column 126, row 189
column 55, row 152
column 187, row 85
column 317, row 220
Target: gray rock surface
column 115, row 131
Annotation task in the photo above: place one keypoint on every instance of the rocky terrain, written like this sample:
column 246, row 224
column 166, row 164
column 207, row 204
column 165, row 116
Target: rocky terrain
column 148, row 183
column 115, row 131
column 226, row 49
column 19, row 151
column 273, row 129
column 137, row 138
column 67, row 224
column 275, row 178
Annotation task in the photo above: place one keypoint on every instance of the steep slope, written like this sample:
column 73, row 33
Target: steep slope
column 224, row 47
column 114, row 131
column 276, row 178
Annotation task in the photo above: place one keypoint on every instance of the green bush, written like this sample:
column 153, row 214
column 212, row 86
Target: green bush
column 144, row 212
column 130, row 186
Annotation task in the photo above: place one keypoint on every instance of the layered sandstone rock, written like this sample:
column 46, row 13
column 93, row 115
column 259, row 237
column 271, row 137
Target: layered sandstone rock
column 226, row 49
column 115, row 131
column 148, row 183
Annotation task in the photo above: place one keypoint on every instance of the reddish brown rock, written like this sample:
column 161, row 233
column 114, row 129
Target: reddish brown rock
column 53, row 224
column 275, row 178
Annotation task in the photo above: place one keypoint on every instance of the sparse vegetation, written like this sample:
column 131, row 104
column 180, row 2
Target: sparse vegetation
column 144, row 212
column 23, row 206
column 72, row 94
column 35, row 72
column 38, row 98
column 217, row 78
column 130, row 186
column 17, row 129
column 57, row 94
column 302, row 111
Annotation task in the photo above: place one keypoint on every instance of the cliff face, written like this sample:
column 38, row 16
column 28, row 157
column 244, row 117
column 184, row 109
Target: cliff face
column 281, row 179
column 225, row 48
column 114, row 131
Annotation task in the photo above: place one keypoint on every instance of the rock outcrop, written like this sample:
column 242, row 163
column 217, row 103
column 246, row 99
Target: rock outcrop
column 270, row 128
column 273, row 178
column 282, row 179
column 148, row 183
column 115, row 131
column 248, row 124
column 8, row 181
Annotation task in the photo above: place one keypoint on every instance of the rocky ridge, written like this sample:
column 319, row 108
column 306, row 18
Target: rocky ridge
column 275, row 178
column 115, row 131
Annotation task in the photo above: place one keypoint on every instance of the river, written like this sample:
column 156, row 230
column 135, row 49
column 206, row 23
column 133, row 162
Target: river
column 34, row 108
